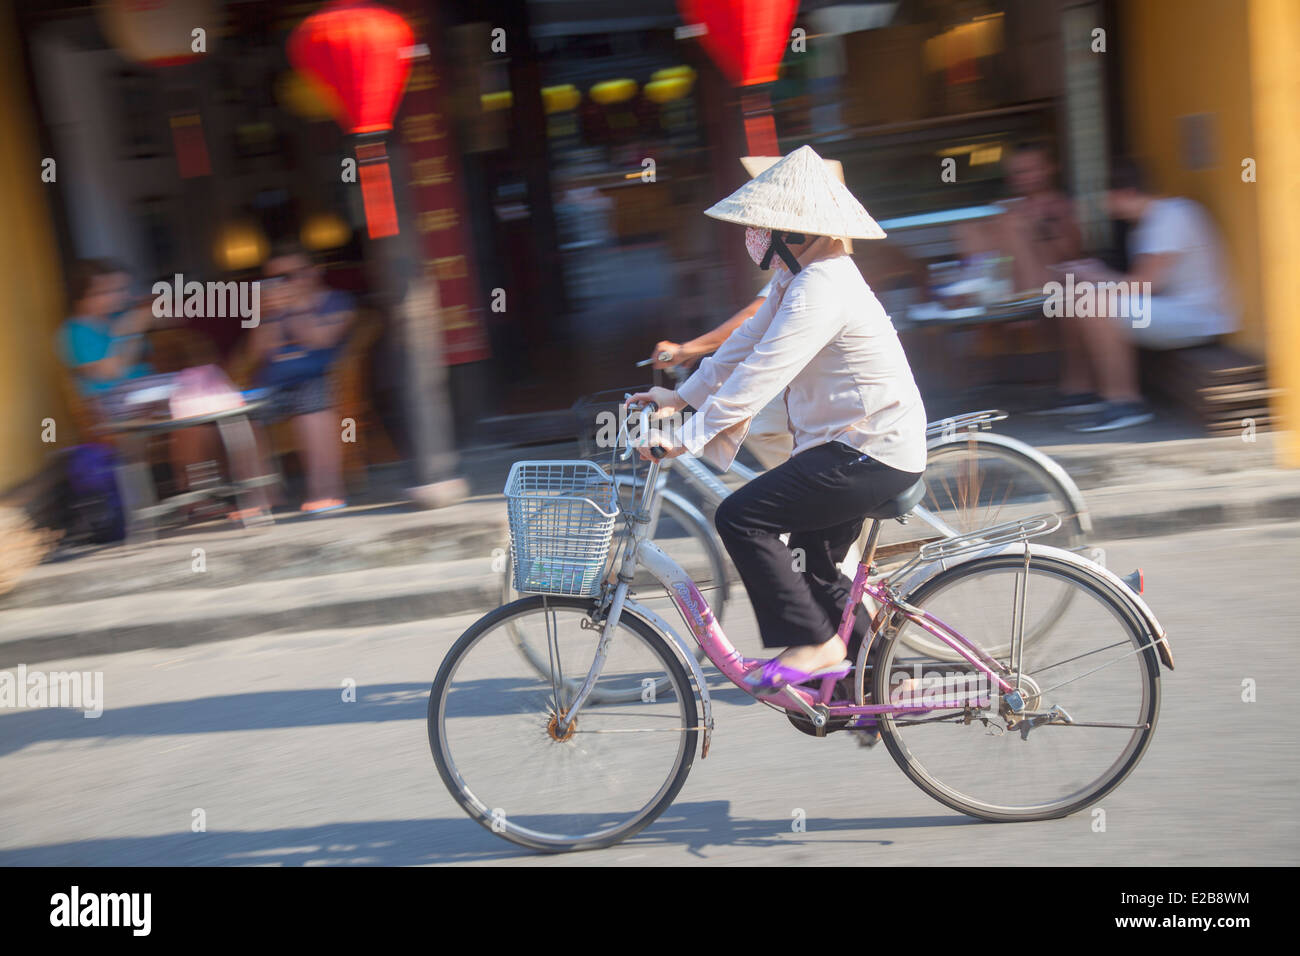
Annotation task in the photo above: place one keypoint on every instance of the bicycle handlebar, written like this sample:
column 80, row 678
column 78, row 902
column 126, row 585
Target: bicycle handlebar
column 661, row 357
column 656, row 451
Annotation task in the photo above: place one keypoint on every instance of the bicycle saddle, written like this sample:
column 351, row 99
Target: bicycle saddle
column 900, row 504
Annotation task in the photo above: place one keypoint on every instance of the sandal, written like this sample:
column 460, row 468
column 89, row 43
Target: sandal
column 773, row 676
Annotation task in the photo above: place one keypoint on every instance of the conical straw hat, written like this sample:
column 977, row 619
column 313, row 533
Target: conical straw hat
column 798, row 194
column 757, row 164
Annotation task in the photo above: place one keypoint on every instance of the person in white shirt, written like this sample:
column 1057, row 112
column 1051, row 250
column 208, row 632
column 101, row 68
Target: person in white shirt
column 769, row 438
column 1174, row 253
column 823, row 340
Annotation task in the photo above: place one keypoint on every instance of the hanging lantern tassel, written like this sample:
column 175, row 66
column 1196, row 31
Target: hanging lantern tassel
column 760, row 124
column 361, row 51
column 376, row 187
column 190, row 147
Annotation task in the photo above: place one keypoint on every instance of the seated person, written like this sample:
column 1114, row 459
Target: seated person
column 1037, row 227
column 103, row 344
column 296, row 342
column 1175, row 247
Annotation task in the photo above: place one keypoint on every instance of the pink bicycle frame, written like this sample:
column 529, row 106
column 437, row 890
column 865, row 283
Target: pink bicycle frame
column 708, row 633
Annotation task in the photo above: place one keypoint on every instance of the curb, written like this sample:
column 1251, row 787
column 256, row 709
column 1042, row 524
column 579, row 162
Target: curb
column 449, row 593
column 446, row 597
column 1195, row 518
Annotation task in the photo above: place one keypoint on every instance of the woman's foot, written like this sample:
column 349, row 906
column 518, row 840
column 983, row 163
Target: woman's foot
column 811, row 657
column 798, row 664
column 771, row 676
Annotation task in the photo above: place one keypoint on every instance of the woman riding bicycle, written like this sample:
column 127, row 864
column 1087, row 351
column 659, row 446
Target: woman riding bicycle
column 823, row 339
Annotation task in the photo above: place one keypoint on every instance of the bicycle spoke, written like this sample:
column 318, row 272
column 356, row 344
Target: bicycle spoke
column 553, row 652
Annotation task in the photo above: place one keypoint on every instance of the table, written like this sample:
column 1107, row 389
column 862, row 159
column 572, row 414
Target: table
column 933, row 321
column 135, row 477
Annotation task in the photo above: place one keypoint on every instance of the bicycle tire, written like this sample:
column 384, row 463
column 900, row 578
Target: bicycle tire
column 897, row 749
column 662, row 648
column 1075, row 522
column 1068, row 504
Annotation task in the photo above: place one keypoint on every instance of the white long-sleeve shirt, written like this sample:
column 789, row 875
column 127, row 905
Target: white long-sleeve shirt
column 824, row 340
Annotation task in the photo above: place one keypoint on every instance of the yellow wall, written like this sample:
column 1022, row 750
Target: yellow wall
column 1238, row 60
column 1275, row 76
column 1193, row 56
column 31, row 281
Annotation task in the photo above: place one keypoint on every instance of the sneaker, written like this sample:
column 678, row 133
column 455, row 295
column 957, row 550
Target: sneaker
column 1075, row 403
column 1116, row 415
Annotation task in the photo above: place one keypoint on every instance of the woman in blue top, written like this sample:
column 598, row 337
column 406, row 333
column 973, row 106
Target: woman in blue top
column 102, row 342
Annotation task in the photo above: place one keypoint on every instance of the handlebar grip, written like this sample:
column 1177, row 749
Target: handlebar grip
column 657, row 452
column 661, row 357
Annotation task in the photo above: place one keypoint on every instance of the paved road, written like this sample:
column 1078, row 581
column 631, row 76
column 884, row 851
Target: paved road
column 255, row 733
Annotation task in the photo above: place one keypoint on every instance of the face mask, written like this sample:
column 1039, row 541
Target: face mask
column 756, row 243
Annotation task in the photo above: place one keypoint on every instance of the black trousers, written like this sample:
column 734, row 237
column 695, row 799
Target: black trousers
column 820, row 497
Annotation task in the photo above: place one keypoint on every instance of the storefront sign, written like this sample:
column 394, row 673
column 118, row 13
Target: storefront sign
column 438, row 202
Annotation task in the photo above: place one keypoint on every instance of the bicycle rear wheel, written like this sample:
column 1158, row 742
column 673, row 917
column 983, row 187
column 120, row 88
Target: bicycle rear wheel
column 498, row 748
column 1094, row 665
column 977, row 480
column 973, row 481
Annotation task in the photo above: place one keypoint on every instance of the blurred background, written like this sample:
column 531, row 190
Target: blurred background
column 550, row 161
column 527, row 164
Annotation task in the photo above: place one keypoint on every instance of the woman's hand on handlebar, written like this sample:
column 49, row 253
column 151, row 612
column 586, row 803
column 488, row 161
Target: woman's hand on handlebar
column 669, row 402
column 660, row 443
column 674, row 351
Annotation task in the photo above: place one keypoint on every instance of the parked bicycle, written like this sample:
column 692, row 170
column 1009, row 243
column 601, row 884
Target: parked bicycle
column 552, row 763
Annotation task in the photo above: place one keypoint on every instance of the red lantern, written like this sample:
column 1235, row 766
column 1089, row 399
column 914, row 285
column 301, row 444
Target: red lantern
column 746, row 38
column 360, row 51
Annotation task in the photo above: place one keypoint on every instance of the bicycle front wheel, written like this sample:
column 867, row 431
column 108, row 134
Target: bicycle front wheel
column 1090, row 686
column 496, row 740
column 685, row 536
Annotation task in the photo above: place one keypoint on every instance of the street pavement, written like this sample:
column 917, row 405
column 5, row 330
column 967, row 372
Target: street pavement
column 254, row 735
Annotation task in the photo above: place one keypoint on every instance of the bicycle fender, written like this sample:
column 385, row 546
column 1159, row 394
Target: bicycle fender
column 1048, row 464
column 914, row 579
column 684, row 652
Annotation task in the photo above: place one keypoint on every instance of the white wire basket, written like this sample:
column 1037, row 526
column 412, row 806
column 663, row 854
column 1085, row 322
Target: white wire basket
column 561, row 522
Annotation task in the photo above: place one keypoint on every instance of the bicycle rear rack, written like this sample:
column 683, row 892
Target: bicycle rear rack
column 1019, row 530
column 970, row 421
column 1022, row 529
